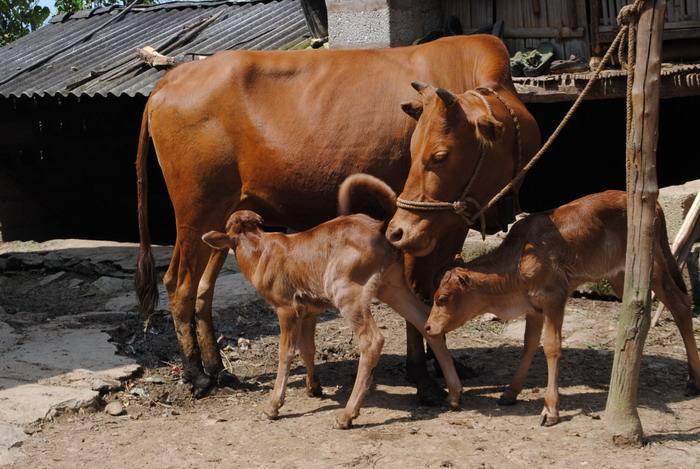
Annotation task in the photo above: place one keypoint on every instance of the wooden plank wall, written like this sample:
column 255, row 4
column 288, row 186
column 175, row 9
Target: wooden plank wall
column 677, row 12
column 519, row 16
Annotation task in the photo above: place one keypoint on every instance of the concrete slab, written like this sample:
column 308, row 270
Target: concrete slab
column 49, row 368
column 11, row 437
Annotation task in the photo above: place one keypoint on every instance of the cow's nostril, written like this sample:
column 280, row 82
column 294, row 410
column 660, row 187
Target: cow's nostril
column 396, row 235
column 427, row 328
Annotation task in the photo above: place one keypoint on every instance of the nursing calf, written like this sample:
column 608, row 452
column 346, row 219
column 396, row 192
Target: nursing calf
column 343, row 264
column 537, row 267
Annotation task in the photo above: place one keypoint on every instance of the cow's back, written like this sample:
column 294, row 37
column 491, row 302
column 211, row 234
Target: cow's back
column 286, row 127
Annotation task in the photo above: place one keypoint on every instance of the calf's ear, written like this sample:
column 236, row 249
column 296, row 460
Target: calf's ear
column 413, row 109
column 217, row 240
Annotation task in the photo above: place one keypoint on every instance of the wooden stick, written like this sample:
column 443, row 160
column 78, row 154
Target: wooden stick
column 687, row 235
column 622, row 419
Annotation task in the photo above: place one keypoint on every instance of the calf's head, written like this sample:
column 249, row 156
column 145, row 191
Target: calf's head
column 451, row 133
column 238, row 224
column 456, row 301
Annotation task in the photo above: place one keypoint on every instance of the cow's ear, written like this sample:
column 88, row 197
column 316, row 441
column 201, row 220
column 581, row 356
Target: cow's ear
column 217, row 240
column 488, row 129
column 413, row 108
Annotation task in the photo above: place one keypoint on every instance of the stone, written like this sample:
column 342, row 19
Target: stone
column 114, row 408
column 110, row 285
column 675, row 202
column 380, row 23
column 51, row 278
column 74, row 283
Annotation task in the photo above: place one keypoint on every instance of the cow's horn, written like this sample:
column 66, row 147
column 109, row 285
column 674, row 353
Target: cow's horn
column 448, row 98
column 419, row 86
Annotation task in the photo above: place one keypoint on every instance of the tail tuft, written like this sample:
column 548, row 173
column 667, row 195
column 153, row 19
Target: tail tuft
column 362, row 193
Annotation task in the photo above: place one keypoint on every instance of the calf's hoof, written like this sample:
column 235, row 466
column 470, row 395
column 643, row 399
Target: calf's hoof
column 271, row 412
column 454, row 402
column 224, row 379
column 430, row 393
column 547, row 420
column 201, row 385
column 314, row 390
column 508, row 398
column 691, row 389
column 343, row 421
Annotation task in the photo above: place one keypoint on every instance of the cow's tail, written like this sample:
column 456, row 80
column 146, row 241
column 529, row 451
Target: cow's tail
column 145, row 280
column 362, row 193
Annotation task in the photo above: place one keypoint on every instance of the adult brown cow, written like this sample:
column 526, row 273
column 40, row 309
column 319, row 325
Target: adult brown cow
column 276, row 133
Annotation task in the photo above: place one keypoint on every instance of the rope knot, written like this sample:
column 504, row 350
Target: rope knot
column 629, row 14
column 459, row 206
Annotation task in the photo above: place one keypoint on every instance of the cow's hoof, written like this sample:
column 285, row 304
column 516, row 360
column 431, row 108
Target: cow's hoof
column 430, row 393
column 691, row 389
column 314, row 390
column 508, row 398
column 201, row 385
column 342, row 421
column 224, row 379
column 547, row 420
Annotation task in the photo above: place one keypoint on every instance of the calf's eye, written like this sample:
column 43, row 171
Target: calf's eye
column 441, row 300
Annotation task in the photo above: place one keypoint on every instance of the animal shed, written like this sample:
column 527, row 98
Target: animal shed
column 71, row 123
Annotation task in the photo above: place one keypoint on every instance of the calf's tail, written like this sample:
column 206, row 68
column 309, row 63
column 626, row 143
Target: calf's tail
column 362, row 193
column 666, row 254
column 145, row 280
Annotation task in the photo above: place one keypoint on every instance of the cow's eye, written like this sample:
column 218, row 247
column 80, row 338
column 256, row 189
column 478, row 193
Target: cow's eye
column 442, row 300
column 440, row 156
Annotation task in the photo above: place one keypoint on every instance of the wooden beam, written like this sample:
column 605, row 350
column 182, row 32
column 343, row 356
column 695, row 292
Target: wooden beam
column 621, row 417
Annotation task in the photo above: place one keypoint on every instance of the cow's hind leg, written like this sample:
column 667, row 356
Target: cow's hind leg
column 181, row 280
column 307, row 349
column 553, row 318
column 206, row 338
column 678, row 303
column 533, row 333
column 289, row 332
column 371, row 342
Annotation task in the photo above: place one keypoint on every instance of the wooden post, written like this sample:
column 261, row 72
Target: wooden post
column 621, row 415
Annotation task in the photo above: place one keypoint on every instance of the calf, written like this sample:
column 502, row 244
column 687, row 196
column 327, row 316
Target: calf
column 537, row 267
column 343, row 264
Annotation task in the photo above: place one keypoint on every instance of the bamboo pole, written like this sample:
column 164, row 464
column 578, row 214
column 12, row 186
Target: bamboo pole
column 622, row 419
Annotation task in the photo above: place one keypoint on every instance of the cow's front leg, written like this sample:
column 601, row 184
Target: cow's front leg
column 206, row 337
column 533, row 333
column 289, row 331
column 552, row 350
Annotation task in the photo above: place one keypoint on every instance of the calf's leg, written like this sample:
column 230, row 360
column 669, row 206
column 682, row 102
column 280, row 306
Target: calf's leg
column 553, row 318
column 307, row 349
column 679, row 305
column 533, row 333
column 396, row 294
column 289, row 331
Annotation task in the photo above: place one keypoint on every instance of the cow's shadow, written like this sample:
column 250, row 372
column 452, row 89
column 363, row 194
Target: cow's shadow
column 662, row 381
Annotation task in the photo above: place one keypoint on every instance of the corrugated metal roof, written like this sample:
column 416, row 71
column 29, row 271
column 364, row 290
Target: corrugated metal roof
column 106, row 63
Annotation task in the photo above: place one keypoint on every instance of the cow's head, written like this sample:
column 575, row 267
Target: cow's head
column 239, row 223
column 452, row 132
column 457, row 300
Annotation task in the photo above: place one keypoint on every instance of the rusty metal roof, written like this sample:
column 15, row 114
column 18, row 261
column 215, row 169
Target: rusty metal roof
column 105, row 63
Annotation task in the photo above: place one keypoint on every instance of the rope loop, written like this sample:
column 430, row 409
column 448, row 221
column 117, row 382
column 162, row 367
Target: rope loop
column 629, row 14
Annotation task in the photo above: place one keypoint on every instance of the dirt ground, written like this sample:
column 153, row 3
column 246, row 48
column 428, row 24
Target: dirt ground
column 164, row 427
